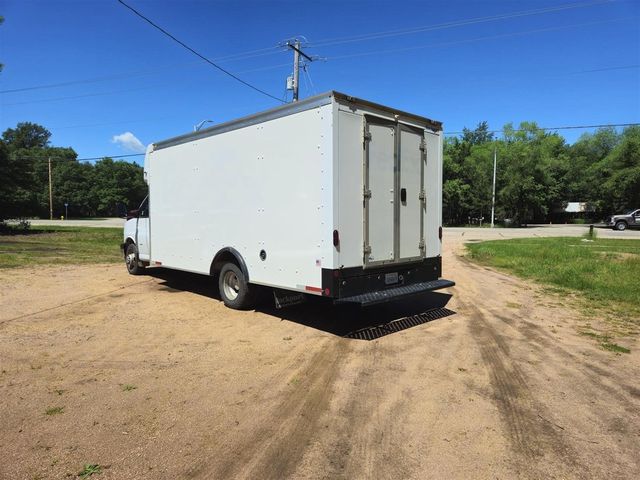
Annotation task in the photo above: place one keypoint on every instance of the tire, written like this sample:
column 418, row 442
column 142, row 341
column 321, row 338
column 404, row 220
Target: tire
column 235, row 292
column 621, row 226
column 131, row 260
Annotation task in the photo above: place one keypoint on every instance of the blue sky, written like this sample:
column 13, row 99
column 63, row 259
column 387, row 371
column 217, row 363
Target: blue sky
column 577, row 63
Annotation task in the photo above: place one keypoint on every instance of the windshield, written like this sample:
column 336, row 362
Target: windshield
column 630, row 212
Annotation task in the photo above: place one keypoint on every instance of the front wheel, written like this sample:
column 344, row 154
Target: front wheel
column 621, row 226
column 131, row 260
column 234, row 289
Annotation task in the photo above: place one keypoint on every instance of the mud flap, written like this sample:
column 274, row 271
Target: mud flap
column 286, row 298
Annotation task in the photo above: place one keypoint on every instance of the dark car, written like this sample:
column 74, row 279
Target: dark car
column 630, row 219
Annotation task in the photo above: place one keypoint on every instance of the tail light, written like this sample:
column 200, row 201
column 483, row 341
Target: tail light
column 336, row 238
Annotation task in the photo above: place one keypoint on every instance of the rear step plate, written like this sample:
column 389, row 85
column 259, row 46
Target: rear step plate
column 396, row 293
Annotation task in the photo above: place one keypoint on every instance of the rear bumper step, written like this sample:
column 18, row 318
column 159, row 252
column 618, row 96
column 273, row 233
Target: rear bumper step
column 390, row 294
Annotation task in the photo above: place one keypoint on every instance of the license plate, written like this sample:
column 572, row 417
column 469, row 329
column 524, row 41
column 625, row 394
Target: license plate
column 391, row 278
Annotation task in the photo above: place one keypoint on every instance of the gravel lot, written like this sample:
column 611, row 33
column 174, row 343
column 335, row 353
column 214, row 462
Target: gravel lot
column 156, row 379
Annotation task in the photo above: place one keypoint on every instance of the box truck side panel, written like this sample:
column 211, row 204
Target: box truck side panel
column 262, row 187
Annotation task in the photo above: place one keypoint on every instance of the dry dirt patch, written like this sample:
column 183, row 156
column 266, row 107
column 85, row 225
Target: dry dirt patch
column 154, row 378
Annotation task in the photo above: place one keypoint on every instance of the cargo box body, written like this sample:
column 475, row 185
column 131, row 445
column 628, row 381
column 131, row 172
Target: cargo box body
column 331, row 195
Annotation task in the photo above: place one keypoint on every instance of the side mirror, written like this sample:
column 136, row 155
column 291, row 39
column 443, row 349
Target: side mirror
column 122, row 209
column 132, row 214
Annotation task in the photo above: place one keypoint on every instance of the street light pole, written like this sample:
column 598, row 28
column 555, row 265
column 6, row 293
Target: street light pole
column 50, row 193
column 493, row 195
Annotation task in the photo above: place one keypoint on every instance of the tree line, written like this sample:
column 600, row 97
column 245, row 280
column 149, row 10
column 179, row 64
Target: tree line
column 89, row 189
column 538, row 173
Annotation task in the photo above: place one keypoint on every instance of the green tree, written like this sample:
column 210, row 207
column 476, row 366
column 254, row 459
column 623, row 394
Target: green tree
column 479, row 135
column 465, row 190
column 532, row 162
column 620, row 170
column 27, row 135
column 116, row 181
column 88, row 189
column 73, row 182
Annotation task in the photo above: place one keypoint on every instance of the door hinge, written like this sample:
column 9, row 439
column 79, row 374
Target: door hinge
column 367, row 249
column 421, row 245
column 367, row 136
column 423, row 196
column 366, row 193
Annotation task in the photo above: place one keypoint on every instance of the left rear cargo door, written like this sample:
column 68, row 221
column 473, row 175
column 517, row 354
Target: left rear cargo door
column 379, row 192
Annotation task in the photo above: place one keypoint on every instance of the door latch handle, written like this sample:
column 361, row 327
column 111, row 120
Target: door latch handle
column 403, row 195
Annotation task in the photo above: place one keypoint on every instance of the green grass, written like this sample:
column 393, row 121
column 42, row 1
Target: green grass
column 605, row 342
column 61, row 246
column 89, row 470
column 128, row 387
column 604, row 272
column 54, row 411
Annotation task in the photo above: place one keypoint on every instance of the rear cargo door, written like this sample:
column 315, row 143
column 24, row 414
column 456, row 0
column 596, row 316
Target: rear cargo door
column 393, row 192
column 411, row 192
column 380, row 192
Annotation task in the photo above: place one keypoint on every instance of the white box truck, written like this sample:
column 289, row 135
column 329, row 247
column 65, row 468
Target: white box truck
column 332, row 196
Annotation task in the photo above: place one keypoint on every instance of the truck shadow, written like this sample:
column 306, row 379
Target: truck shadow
column 365, row 323
column 368, row 323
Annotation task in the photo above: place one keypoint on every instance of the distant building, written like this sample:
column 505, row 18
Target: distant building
column 573, row 211
column 579, row 207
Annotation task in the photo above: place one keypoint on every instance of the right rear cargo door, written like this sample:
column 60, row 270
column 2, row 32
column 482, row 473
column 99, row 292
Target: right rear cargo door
column 411, row 159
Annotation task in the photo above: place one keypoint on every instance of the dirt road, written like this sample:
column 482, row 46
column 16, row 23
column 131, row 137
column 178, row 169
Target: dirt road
column 156, row 379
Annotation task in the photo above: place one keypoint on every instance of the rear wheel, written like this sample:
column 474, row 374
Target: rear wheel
column 131, row 260
column 235, row 292
column 621, row 226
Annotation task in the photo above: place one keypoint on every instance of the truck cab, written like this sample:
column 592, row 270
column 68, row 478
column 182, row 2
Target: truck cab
column 136, row 247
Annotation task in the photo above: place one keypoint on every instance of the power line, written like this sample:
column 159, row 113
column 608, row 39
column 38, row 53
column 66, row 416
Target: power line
column 476, row 39
column 606, row 69
column 113, row 92
column 339, row 40
column 142, row 73
column 213, row 64
column 89, row 159
column 44, row 157
column 569, row 127
column 459, row 23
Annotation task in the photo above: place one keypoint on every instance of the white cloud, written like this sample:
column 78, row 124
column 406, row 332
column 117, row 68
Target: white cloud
column 129, row 141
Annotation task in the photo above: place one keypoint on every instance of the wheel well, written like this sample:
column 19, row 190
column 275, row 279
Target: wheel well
column 228, row 255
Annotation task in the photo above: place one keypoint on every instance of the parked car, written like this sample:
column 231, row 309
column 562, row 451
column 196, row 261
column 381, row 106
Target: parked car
column 630, row 219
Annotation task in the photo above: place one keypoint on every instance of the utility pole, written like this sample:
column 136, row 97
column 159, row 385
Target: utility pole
column 50, row 193
column 294, row 45
column 493, row 196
